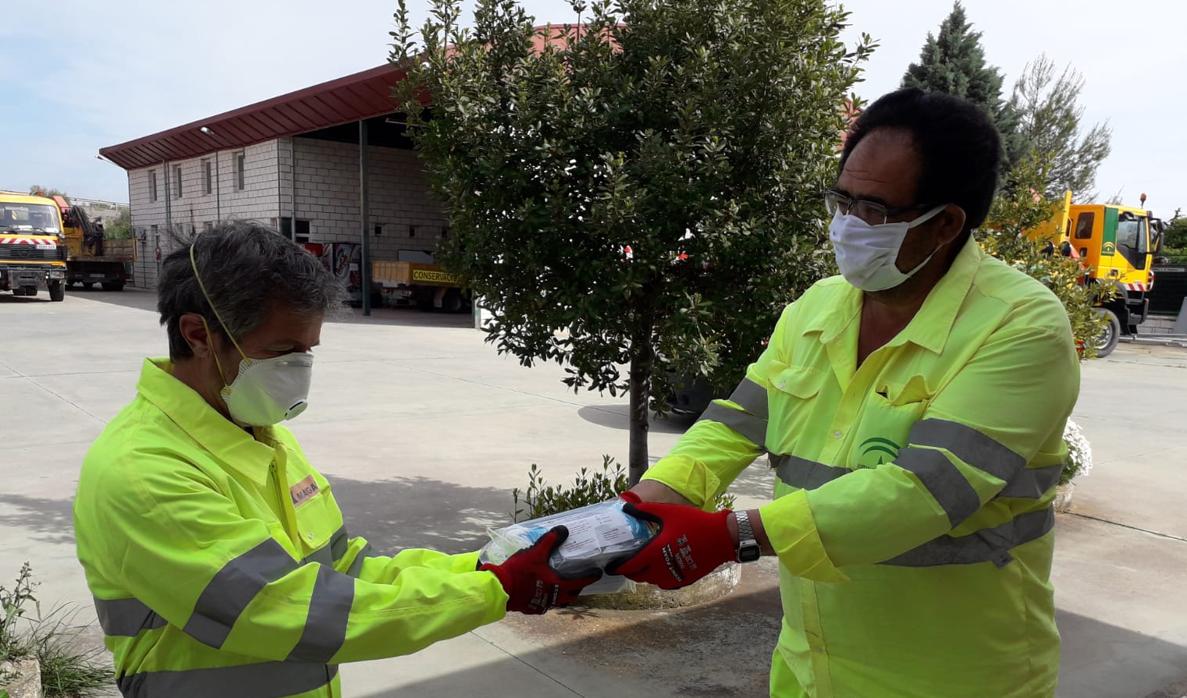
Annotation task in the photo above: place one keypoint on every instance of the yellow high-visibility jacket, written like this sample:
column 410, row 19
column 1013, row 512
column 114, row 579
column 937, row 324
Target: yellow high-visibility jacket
column 912, row 513
column 221, row 568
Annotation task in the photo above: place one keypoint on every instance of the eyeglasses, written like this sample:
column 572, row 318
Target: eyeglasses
column 869, row 211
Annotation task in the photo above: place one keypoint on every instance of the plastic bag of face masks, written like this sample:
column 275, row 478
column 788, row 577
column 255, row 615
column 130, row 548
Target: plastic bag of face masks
column 598, row 535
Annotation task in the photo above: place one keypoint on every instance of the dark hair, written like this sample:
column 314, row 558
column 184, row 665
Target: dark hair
column 959, row 148
column 246, row 268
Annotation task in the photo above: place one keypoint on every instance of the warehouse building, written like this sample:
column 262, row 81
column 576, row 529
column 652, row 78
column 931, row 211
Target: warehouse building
column 327, row 166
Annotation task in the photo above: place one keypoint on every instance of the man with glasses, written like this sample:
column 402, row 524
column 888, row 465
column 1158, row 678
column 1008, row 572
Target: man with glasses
column 913, row 410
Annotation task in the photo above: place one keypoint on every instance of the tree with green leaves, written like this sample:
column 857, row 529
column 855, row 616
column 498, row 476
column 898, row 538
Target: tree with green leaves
column 121, row 227
column 635, row 196
column 953, row 62
column 1022, row 207
column 1049, row 125
column 1174, row 241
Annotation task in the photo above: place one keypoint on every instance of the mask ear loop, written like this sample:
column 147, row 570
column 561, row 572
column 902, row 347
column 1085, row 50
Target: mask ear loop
column 202, row 287
column 918, row 222
column 926, row 217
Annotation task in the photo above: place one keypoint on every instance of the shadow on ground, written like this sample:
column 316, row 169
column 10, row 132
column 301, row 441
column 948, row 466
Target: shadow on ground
column 135, row 298
column 142, row 299
column 9, row 299
column 718, row 649
column 407, row 317
column 49, row 520
column 723, row 649
column 618, row 417
column 1114, row 662
column 391, row 514
column 417, row 512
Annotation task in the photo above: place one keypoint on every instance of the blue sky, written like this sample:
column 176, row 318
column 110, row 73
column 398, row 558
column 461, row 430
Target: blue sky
column 77, row 75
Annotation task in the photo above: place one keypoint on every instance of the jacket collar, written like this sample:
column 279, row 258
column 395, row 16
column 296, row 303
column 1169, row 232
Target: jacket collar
column 930, row 327
column 233, row 446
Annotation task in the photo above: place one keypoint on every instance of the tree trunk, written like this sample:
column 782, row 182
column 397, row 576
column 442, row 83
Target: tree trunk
column 640, row 377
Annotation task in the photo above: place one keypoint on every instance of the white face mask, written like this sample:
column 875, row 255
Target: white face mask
column 269, row 391
column 866, row 253
column 265, row 391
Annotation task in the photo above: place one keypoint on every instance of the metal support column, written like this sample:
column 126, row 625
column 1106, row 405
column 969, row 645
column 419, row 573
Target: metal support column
column 365, row 257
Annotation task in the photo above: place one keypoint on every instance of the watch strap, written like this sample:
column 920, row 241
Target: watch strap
column 748, row 549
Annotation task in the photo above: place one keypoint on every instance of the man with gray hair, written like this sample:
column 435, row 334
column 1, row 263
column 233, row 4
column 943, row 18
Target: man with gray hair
column 216, row 553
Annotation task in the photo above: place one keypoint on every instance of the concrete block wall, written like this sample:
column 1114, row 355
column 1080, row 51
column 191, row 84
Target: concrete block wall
column 194, row 210
column 327, row 195
column 302, row 178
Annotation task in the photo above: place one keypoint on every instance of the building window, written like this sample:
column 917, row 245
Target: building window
column 207, row 227
column 207, row 177
column 177, row 181
column 152, row 185
column 300, row 235
column 240, row 167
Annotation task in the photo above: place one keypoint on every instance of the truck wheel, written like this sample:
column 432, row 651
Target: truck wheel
column 452, row 302
column 113, row 285
column 423, row 299
column 57, row 291
column 1107, row 341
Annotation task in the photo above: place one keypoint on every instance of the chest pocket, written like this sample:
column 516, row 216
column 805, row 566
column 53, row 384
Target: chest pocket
column 796, row 388
column 318, row 516
column 890, row 411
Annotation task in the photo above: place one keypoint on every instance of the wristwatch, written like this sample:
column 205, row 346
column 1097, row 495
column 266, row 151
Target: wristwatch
column 748, row 550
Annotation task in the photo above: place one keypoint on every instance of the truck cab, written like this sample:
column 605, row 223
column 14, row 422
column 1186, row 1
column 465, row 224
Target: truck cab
column 1114, row 242
column 32, row 246
column 1116, row 246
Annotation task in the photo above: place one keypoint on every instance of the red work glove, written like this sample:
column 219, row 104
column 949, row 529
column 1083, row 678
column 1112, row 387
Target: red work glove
column 531, row 583
column 690, row 544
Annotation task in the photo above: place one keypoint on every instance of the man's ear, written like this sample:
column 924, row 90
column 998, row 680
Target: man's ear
column 949, row 223
column 193, row 330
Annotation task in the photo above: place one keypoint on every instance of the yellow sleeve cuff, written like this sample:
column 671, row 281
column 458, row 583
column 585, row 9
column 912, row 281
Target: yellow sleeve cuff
column 691, row 478
column 792, row 531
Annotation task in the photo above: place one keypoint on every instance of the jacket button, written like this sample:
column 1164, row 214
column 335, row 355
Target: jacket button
column 836, row 434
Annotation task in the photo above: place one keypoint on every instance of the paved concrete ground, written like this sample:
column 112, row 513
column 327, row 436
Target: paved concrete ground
column 424, row 430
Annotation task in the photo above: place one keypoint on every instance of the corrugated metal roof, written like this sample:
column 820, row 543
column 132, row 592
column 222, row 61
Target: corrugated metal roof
column 359, row 96
column 355, row 97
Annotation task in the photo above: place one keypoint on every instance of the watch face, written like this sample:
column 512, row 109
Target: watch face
column 749, row 553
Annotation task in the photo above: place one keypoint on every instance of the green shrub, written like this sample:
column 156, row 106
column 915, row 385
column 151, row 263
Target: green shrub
column 1017, row 209
column 13, row 603
column 67, row 669
column 1174, row 255
column 589, row 487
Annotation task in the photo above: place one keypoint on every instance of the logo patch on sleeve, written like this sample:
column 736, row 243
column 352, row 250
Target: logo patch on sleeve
column 303, row 491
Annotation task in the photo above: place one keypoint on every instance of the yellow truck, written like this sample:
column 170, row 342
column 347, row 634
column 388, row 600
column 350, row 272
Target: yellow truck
column 32, row 246
column 425, row 285
column 1116, row 245
column 92, row 258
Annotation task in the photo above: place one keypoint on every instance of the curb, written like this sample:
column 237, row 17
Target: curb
column 1157, row 340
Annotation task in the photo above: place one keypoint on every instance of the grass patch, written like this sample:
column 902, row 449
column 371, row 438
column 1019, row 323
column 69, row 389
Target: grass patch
column 67, row 670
